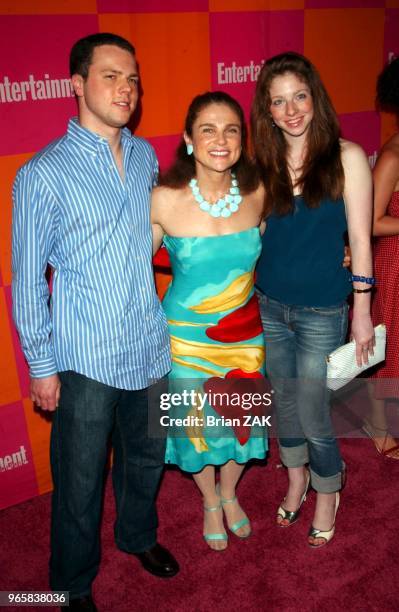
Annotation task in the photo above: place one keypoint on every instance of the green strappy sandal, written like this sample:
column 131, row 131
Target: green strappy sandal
column 238, row 524
column 209, row 537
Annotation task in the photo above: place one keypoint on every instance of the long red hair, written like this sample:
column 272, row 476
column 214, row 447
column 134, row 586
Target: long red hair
column 322, row 172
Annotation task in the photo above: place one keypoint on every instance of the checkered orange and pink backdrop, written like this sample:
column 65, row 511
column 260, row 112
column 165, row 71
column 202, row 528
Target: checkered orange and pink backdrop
column 184, row 47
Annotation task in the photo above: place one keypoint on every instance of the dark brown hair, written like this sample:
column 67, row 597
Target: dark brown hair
column 388, row 88
column 183, row 168
column 322, row 172
column 81, row 54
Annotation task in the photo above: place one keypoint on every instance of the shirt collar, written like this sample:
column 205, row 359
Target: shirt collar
column 90, row 140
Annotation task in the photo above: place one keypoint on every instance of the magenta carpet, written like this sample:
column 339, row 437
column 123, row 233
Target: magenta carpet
column 273, row 570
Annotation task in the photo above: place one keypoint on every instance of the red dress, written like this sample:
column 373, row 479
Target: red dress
column 386, row 304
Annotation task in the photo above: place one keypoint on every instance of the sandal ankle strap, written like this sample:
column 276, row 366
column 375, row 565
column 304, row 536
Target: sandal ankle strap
column 212, row 508
column 224, row 501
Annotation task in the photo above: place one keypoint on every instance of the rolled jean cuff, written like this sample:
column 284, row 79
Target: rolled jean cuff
column 294, row 456
column 327, row 484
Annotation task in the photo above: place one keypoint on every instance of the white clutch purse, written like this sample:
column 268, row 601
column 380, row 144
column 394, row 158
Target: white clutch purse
column 341, row 363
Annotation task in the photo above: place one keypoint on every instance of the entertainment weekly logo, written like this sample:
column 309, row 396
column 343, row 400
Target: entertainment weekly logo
column 34, row 89
column 235, row 73
column 14, row 460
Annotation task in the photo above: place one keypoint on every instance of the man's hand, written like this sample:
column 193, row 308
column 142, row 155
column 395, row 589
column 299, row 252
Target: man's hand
column 45, row 392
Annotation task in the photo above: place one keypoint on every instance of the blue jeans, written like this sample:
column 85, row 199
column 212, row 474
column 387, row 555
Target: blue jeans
column 90, row 414
column 298, row 339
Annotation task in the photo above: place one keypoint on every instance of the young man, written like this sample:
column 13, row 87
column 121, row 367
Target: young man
column 82, row 206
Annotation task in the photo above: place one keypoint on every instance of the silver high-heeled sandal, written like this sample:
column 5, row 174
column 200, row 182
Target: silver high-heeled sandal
column 292, row 515
column 325, row 535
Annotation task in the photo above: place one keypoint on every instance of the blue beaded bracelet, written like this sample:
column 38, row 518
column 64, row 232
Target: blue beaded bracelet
column 369, row 280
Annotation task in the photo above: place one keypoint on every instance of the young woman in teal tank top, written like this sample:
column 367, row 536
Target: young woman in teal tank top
column 208, row 212
column 317, row 186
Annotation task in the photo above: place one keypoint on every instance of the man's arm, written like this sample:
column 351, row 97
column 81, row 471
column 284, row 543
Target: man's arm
column 35, row 217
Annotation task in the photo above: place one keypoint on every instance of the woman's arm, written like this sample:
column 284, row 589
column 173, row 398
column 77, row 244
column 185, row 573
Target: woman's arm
column 157, row 237
column 259, row 202
column 386, row 177
column 157, row 229
column 358, row 202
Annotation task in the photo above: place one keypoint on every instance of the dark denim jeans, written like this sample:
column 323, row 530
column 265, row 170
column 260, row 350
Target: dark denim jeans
column 90, row 414
column 298, row 339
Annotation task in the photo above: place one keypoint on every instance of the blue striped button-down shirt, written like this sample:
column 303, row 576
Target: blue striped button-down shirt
column 73, row 210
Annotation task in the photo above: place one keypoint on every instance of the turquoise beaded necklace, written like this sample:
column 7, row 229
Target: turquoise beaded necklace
column 225, row 206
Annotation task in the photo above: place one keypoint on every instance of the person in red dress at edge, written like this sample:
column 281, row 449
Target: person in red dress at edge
column 386, row 263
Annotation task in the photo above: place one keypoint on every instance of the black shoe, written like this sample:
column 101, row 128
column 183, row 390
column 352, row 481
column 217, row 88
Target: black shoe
column 158, row 561
column 82, row 604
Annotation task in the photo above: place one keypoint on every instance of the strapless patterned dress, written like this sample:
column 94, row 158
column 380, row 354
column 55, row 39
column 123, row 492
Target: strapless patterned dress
column 216, row 335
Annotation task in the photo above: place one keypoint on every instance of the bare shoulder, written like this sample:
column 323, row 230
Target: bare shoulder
column 255, row 205
column 163, row 199
column 260, row 191
column 258, row 195
column 160, row 194
column 356, row 166
column 390, row 152
column 392, row 144
column 352, row 153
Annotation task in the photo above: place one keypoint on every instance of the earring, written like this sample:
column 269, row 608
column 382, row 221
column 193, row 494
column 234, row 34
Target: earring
column 190, row 149
column 272, row 122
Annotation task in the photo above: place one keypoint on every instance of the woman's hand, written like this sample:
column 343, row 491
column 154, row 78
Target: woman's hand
column 362, row 332
column 347, row 257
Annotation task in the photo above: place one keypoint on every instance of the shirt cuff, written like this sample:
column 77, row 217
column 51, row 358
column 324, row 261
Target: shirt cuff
column 41, row 368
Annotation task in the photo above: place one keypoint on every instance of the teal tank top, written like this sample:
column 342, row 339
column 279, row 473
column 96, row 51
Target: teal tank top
column 302, row 254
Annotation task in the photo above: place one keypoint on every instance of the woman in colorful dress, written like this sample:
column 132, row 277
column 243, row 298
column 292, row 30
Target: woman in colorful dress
column 207, row 211
column 386, row 265
column 317, row 187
